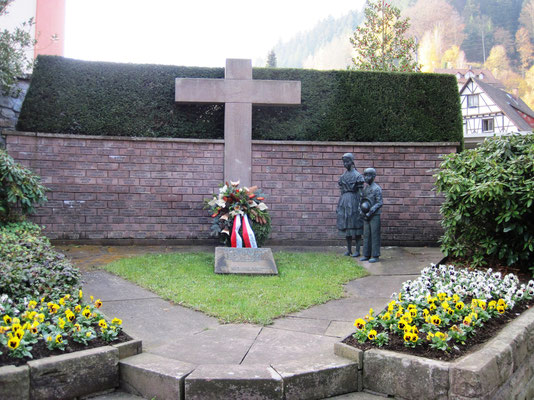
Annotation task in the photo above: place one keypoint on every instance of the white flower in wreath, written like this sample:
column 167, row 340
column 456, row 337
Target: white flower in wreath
column 213, row 202
column 223, row 189
column 262, row 207
column 221, row 203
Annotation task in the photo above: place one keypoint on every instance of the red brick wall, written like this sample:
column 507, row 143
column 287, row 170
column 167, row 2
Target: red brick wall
column 122, row 188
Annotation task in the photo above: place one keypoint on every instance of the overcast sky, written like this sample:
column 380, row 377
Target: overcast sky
column 192, row 33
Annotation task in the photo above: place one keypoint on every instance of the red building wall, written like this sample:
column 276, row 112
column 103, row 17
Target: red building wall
column 50, row 27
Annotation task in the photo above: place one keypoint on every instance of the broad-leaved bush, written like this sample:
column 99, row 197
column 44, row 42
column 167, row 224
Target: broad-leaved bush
column 488, row 212
column 30, row 267
column 20, row 188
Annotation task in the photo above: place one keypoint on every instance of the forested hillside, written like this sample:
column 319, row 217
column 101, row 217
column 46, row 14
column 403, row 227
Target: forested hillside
column 493, row 34
column 327, row 42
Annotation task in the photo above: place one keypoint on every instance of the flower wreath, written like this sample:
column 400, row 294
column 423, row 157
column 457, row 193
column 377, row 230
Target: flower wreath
column 245, row 202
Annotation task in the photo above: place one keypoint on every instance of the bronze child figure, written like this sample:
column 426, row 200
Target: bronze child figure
column 349, row 218
column 371, row 207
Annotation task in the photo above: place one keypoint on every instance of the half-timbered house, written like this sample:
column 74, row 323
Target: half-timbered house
column 488, row 111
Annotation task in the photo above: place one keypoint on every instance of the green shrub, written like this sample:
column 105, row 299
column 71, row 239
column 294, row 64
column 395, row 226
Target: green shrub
column 18, row 187
column 97, row 98
column 30, row 267
column 488, row 212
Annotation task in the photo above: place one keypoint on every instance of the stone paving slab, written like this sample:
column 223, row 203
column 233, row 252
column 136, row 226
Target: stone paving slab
column 156, row 321
column 366, row 287
column 346, row 309
column 225, row 344
column 108, row 287
column 306, row 325
column 340, row 329
column 277, row 346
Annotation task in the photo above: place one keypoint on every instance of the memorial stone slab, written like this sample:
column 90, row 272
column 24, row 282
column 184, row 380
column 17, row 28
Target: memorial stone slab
column 244, row 261
column 238, row 92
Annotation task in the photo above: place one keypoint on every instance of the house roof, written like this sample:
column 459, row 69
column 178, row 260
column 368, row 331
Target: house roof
column 479, row 73
column 508, row 103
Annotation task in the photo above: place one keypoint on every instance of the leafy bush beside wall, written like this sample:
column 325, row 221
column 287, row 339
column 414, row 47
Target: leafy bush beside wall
column 20, row 189
column 488, row 212
column 98, row 98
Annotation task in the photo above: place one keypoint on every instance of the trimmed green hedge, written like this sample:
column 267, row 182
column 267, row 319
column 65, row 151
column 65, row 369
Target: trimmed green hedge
column 98, row 98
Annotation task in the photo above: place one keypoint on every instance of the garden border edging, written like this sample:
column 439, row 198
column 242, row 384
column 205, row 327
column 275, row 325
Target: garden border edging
column 501, row 368
column 76, row 374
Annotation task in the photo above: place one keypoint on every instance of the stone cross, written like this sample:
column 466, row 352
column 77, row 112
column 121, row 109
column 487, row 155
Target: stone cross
column 238, row 92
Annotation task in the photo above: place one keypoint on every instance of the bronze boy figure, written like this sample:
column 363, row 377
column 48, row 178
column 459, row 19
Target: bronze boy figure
column 349, row 218
column 371, row 207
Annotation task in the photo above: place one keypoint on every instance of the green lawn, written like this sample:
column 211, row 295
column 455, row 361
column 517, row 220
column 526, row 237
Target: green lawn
column 304, row 279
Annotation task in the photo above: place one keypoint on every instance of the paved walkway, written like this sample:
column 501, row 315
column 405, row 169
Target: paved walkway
column 180, row 333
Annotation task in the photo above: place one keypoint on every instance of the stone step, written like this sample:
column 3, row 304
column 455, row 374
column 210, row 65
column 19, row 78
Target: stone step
column 115, row 395
column 152, row 376
column 149, row 375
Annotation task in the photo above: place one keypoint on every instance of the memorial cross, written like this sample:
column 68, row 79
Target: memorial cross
column 238, row 92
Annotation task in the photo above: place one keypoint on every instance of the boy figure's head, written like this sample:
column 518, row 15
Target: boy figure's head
column 369, row 175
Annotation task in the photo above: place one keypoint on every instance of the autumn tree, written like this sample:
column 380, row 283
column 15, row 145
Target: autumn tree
column 454, row 58
column 380, row 43
column 526, row 18
column 526, row 88
column 440, row 19
column 497, row 61
column 13, row 45
column 524, row 48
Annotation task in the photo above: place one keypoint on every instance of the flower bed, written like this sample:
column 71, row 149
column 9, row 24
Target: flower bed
column 443, row 311
column 34, row 329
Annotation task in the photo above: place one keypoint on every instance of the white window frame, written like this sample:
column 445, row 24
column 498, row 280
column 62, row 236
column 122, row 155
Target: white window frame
column 486, row 121
column 470, row 101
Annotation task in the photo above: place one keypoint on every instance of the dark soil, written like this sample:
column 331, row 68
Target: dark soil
column 473, row 343
column 39, row 350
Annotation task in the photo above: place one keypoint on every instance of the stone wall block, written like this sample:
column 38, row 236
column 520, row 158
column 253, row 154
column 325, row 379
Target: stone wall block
column 405, row 376
column 74, row 374
column 15, row 382
column 477, row 375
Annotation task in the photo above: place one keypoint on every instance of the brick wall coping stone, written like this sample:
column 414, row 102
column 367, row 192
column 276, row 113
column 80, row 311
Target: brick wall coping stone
column 502, row 368
column 273, row 142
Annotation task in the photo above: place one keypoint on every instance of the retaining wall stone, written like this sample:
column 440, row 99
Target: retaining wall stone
column 405, row 376
column 75, row 374
column 15, row 382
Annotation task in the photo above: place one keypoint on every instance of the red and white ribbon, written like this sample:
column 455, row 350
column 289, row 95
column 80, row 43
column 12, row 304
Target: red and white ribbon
column 235, row 239
column 248, row 234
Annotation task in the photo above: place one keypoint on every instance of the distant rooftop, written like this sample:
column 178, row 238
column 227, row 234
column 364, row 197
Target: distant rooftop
column 463, row 74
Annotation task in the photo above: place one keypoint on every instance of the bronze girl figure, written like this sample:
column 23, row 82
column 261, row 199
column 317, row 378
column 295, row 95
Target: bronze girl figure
column 349, row 218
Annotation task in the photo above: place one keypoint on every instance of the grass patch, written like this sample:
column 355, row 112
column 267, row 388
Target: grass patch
column 304, row 279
